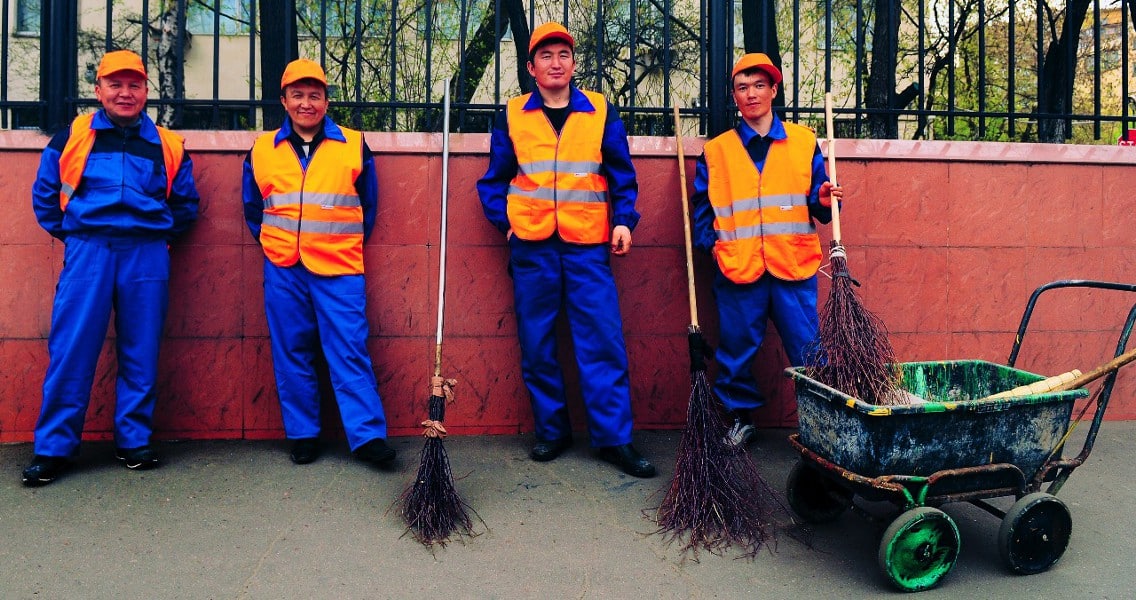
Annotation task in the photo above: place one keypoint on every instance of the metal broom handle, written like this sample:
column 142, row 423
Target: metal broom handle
column 831, row 151
column 686, row 224
column 442, row 243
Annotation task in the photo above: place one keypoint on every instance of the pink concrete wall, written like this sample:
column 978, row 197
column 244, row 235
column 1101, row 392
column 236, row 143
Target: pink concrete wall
column 948, row 239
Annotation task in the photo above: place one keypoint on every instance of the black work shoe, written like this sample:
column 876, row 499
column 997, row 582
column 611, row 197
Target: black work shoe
column 139, row 459
column 376, row 452
column 628, row 459
column 305, row 450
column 544, row 451
column 44, row 470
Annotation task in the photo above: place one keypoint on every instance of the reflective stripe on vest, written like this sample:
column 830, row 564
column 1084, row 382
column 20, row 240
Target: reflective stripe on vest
column 762, row 218
column 78, row 148
column 314, row 216
column 559, row 186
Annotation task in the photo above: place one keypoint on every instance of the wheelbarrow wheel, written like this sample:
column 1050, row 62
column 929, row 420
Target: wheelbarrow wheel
column 1035, row 533
column 813, row 497
column 919, row 548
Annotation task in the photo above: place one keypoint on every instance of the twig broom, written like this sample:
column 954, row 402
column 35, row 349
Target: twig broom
column 431, row 506
column 716, row 497
column 854, row 354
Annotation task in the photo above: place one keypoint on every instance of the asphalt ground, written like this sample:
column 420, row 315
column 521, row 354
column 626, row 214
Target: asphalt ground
column 236, row 519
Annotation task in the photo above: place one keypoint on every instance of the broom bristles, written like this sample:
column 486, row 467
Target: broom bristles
column 431, row 507
column 716, row 497
column 854, row 354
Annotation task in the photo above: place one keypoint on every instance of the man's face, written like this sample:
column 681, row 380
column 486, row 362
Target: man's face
column 123, row 95
column 306, row 103
column 753, row 93
column 553, row 65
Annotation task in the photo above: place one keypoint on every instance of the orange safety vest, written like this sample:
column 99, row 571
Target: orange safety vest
column 313, row 216
column 73, row 160
column 762, row 218
column 559, row 186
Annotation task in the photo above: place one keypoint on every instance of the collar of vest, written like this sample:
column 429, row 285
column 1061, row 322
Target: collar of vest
column 776, row 131
column 330, row 130
column 147, row 130
column 577, row 101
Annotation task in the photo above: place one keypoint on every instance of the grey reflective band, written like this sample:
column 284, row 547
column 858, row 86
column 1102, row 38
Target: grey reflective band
column 554, row 195
column 767, row 229
column 560, row 166
column 311, row 198
column 280, row 222
column 332, row 200
column 758, row 203
column 67, row 191
column 313, row 226
column 342, row 227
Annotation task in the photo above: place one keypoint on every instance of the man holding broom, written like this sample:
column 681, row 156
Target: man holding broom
column 758, row 189
column 310, row 199
column 560, row 176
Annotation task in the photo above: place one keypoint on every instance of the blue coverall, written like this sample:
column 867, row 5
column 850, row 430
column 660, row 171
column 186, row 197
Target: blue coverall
column 551, row 273
column 116, row 232
column 743, row 309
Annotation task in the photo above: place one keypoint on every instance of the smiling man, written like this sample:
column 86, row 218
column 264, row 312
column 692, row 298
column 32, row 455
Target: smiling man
column 116, row 189
column 561, row 188
column 310, row 199
column 758, row 189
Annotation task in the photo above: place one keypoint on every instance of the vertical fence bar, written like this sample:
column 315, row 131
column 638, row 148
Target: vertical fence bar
column 981, row 69
column 4, row 109
column 717, row 67
column 254, row 34
column 1012, row 71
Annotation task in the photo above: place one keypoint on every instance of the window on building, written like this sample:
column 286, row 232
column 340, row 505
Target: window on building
column 449, row 16
column 201, row 15
column 340, row 17
column 27, row 17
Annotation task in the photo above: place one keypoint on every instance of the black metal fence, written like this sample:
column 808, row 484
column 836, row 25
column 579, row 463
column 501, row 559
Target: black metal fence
column 946, row 69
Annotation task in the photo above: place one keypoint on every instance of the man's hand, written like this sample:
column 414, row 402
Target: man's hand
column 828, row 192
column 620, row 240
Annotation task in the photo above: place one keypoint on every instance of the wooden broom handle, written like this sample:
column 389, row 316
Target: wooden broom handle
column 686, row 224
column 1099, row 372
column 831, row 151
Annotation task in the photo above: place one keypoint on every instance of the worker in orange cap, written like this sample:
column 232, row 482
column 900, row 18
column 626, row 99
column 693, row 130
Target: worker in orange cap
column 759, row 190
column 310, row 199
column 561, row 188
column 116, row 189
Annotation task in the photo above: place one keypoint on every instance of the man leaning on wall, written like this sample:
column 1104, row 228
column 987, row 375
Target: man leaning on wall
column 561, row 188
column 117, row 190
column 310, row 200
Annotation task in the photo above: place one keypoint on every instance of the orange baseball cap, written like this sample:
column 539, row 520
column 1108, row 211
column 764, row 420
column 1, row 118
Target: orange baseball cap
column 550, row 31
column 757, row 60
column 120, row 60
column 302, row 68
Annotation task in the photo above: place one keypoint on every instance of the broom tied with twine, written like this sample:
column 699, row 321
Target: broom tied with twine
column 716, row 497
column 854, row 354
column 431, row 506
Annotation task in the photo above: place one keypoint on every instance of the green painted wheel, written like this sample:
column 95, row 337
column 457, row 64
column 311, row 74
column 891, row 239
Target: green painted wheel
column 813, row 497
column 919, row 549
column 1035, row 533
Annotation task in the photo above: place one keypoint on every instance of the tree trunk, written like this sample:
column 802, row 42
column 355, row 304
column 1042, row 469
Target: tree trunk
column 880, row 93
column 1055, row 93
column 172, row 38
column 759, row 26
column 279, row 45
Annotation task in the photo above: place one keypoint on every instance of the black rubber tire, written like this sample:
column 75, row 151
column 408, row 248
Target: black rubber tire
column 918, row 549
column 813, row 497
column 1035, row 533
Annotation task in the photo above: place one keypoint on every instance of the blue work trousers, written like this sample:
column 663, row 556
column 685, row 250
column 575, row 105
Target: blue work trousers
column 306, row 312
column 99, row 274
column 742, row 313
column 551, row 274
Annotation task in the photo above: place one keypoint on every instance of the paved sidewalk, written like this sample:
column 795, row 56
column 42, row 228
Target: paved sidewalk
column 227, row 520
